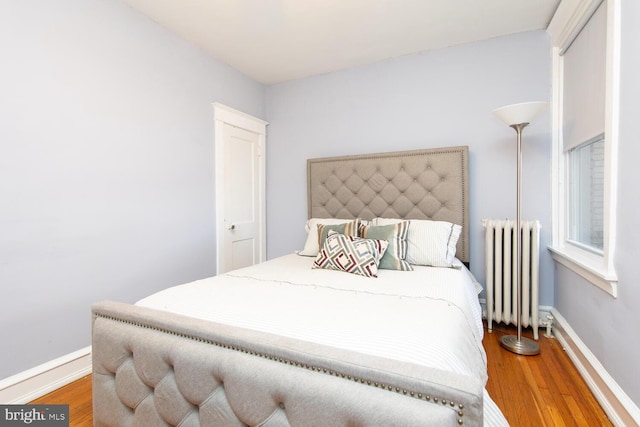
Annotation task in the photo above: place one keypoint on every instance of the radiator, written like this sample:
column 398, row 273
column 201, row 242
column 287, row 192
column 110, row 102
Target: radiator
column 501, row 268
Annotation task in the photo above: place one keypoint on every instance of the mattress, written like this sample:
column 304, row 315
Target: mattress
column 430, row 316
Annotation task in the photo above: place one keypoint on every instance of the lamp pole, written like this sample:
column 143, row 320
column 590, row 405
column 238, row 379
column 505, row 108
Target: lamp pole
column 518, row 116
column 519, row 345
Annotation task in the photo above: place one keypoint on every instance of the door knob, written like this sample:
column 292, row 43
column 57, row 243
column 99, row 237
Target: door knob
column 231, row 227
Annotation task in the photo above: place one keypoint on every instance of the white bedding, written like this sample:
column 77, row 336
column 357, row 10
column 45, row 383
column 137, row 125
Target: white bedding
column 430, row 316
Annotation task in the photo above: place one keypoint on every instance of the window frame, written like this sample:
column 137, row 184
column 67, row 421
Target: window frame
column 598, row 269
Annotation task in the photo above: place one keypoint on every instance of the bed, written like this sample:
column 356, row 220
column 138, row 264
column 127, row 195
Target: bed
column 309, row 339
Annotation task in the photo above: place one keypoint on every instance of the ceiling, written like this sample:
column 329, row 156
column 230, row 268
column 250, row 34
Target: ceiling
column 273, row 41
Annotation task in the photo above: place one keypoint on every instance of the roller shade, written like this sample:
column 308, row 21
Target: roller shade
column 584, row 64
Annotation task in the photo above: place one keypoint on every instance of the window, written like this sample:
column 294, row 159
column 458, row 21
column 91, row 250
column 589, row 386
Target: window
column 585, row 57
column 586, row 195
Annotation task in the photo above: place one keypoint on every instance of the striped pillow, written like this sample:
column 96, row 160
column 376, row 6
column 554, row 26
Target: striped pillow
column 348, row 229
column 311, row 227
column 312, row 244
column 431, row 243
column 351, row 254
column 396, row 235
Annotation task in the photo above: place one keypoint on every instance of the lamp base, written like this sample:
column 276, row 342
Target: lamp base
column 524, row 346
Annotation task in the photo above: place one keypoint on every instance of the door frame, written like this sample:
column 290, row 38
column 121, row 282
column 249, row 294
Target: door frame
column 222, row 115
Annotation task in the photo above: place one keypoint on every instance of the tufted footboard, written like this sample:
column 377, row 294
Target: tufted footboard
column 156, row 368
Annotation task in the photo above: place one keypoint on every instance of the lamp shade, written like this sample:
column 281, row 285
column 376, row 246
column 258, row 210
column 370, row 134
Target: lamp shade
column 524, row 112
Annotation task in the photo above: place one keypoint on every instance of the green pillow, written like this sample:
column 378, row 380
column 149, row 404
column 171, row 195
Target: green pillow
column 396, row 235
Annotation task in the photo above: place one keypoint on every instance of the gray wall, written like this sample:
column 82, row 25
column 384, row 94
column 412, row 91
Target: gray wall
column 608, row 326
column 434, row 99
column 106, row 166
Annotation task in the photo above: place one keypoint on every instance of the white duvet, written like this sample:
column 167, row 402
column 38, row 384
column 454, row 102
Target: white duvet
column 430, row 316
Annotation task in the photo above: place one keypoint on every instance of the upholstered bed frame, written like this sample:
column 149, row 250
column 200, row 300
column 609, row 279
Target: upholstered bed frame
column 156, row 368
column 422, row 184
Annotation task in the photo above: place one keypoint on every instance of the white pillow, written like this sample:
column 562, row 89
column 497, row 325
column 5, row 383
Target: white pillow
column 430, row 243
column 311, row 246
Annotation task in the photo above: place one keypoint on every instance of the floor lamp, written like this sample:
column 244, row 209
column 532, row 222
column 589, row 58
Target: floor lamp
column 518, row 116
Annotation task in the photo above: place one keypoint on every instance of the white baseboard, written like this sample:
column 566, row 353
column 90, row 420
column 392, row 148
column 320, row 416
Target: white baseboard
column 614, row 401
column 36, row 382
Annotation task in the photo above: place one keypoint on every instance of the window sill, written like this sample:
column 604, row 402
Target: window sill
column 587, row 267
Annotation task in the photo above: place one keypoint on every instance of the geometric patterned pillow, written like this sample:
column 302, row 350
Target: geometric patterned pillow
column 351, row 254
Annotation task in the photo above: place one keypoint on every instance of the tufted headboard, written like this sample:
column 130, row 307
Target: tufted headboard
column 421, row 184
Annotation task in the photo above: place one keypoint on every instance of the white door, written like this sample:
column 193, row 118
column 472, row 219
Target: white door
column 241, row 193
column 240, row 189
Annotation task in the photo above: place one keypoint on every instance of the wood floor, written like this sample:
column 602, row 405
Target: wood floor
column 544, row 390
column 78, row 396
